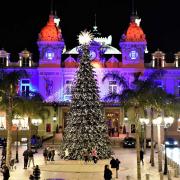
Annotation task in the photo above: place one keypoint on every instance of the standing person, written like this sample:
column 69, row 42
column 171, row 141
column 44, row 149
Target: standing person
column 94, row 155
column 45, row 154
column 4, row 152
column 52, row 154
column 113, row 166
column 107, row 173
column 142, row 156
column 31, row 157
column 26, row 157
column 5, row 172
column 66, row 152
column 117, row 166
column 49, row 154
column 86, row 156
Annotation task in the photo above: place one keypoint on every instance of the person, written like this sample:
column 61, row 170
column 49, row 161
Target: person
column 107, row 173
column 117, row 166
column 142, row 156
column 5, row 172
column 66, row 152
column 86, row 156
column 31, row 157
column 45, row 154
column 26, row 157
column 52, row 154
column 49, row 154
column 94, row 155
column 113, row 166
column 4, row 153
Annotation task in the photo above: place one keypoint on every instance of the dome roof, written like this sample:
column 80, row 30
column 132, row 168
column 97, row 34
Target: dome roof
column 50, row 32
column 109, row 50
column 112, row 62
column 70, row 62
column 135, row 33
column 4, row 53
column 25, row 53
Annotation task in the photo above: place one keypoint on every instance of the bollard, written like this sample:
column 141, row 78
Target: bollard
column 127, row 177
column 161, row 176
column 169, row 175
column 147, row 177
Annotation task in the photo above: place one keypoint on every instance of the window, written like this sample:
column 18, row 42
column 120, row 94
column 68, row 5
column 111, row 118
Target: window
column 68, row 90
column 25, row 87
column 178, row 91
column 112, row 87
column 49, row 55
column 159, row 84
column 2, row 62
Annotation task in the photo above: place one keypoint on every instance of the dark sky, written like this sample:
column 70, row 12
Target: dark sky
column 21, row 21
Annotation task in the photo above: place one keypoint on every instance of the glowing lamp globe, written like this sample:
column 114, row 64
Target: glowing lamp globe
column 85, row 38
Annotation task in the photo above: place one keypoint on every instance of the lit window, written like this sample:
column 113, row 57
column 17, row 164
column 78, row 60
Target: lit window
column 112, row 87
column 49, row 55
column 2, row 122
column 178, row 93
column 159, row 84
column 133, row 54
column 68, row 90
column 25, row 87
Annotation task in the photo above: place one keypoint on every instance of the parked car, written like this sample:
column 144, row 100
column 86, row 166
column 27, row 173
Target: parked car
column 2, row 142
column 129, row 142
column 171, row 142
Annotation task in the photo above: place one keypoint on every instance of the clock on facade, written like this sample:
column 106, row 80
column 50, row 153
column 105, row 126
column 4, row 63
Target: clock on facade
column 133, row 54
column 92, row 55
column 49, row 55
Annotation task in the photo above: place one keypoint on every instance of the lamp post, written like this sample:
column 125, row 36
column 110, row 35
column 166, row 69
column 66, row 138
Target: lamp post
column 17, row 123
column 158, row 122
column 167, row 123
column 36, row 122
column 144, row 122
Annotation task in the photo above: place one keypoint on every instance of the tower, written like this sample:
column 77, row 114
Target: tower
column 133, row 44
column 51, row 44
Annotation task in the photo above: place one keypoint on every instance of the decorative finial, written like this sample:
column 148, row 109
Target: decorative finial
column 85, row 37
column 52, row 2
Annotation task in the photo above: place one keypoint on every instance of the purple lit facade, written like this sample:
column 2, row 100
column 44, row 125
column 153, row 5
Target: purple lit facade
column 54, row 73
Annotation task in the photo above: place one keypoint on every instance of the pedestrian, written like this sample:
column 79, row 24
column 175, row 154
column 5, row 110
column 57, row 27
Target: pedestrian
column 142, row 156
column 107, row 173
column 4, row 152
column 31, row 157
column 5, row 172
column 66, row 153
column 49, row 154
column 45, row 154
column 86, row 156
column 117, row 166
column 26, row 157
column 52, row 154
column 94, row 155
column 113, row 166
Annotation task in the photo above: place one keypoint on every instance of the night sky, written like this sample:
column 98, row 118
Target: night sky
column 21, row 21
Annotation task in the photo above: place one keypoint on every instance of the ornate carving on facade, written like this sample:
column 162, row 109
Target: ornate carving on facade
column 70, row 62
column 48, row 86
column 112, row 63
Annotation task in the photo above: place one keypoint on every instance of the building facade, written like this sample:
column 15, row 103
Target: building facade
column 53, row 75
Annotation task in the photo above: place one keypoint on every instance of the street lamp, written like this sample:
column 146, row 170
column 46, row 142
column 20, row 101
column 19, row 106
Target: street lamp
column 36, row 122
column 167, row 123
column 144, row 122
column 17, row 123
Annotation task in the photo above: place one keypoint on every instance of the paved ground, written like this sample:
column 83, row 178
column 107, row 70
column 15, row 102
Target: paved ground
column 77, row 170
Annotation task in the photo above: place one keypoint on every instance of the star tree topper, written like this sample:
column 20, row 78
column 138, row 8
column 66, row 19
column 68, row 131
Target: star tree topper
column 85, row 37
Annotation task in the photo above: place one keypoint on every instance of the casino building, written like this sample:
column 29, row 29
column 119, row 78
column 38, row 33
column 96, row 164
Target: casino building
column 52, row 76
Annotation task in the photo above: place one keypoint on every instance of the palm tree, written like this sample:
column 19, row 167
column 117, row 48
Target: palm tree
column 9, row 100
column 32, row 106
column 140, row 95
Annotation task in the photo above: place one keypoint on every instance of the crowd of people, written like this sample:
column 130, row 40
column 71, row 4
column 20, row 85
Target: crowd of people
column 48, row 153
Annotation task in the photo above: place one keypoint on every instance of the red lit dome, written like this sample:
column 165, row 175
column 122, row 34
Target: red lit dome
column 135, row 33
column 50, row 32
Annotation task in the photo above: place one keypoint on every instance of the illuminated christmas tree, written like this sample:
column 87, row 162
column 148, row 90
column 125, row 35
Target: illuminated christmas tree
column 86, row 127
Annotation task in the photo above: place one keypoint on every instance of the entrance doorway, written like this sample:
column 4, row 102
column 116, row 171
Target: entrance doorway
column 113, row 118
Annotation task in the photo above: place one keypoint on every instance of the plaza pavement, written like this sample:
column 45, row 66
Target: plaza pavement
column 77, row 170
